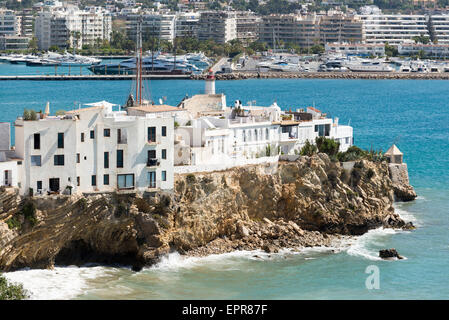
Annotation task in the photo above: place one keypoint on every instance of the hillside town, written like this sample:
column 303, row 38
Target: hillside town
column 61, row 25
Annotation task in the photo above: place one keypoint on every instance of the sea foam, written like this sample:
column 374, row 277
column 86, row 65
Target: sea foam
column 60, row 283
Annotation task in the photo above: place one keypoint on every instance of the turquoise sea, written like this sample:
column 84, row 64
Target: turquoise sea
column 411, row 113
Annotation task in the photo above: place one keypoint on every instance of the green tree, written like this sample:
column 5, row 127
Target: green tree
column 391, row 51
column 10, row 291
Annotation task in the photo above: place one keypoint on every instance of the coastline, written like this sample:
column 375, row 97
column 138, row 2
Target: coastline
column 327, row 75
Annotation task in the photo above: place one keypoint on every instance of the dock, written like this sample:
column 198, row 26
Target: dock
column 60, row 77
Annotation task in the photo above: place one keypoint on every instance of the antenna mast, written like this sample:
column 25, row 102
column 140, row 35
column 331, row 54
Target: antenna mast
column 139, row 62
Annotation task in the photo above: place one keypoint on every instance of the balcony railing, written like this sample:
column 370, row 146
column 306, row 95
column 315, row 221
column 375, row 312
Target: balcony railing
column 152, row 162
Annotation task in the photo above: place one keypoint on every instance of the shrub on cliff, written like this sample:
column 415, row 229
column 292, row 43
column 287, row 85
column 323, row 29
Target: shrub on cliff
column 13, row 223
column 355, row 153
column 327, row 146
column 332, row 177
column 308, row 149
column 10, row 291
column 29, row 212
column 356, row 176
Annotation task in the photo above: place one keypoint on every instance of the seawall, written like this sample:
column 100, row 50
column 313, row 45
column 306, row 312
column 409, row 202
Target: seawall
column 328, row 75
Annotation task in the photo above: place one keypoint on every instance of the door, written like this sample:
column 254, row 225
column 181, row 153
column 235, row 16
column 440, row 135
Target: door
column 152, row 179
column 54, row 184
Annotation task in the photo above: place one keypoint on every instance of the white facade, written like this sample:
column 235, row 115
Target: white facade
column 431, row 50
column 9, row 173
column 186, row 24
column 9, row 23
column 362, row 49
column 96, row 149
column 70, row 26
column 154, row 25
column 393, row 28
column 246, row 134
column 220, row 26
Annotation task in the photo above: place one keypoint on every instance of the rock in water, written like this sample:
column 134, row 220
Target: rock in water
column 389, row 253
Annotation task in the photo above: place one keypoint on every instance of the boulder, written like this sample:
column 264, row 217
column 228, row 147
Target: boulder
column 389, row 253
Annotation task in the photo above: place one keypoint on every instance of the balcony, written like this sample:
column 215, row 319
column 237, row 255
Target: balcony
column 153, row 162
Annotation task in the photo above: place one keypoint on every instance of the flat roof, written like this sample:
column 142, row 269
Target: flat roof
column 156, row 108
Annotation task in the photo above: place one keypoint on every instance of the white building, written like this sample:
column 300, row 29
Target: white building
column 220, row 26
column 9, row 24
column 213, row 136
column 430, row 50
column 9, row 163
column 154, row 25
column 358, row 49
column 69, row 26
column 393, row 28
column 186, row 24
column 96, row 149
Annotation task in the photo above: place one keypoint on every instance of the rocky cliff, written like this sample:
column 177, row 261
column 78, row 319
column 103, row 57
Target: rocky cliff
column 308, row 202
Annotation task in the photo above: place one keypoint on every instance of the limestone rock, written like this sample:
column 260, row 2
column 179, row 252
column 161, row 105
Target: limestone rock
column 389, row 253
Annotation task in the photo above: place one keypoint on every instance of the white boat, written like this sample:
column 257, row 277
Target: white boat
column 368, row 66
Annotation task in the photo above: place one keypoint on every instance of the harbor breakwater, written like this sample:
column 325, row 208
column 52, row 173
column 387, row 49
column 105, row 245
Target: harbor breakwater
column 240, row 76
column 327, row 75
column 311, row 201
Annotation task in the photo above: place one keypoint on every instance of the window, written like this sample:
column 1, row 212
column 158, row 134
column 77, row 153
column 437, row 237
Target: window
column 152, row 134
column 78, row 181
column 121, row 136
column 164, row 153
column 164, row 131
column 92, row 134
column 36, row 161
column 59, row 160
column 82, row 136
column 60, row 139
column 125, row 181
column 39, row 185
column 119, row 158
column 106, row 160
column 37, row 141
column 164, row 175
column 77, row 158
column 107, row 132
column 106, row 179
column 151, row 154
column 94, row 180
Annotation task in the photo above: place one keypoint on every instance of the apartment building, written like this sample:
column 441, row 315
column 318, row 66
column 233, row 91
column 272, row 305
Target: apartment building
column 154, row 25
column 339, row 27
column 394, row 29
column 220, row 26
column 247, row 26
column 69, row 26
column 9, row 25
column 26, row 22
column 311, row 29
column 14, row 43
column 440, row 24
column 186, row 24
column 95, row 149
column 279, row 27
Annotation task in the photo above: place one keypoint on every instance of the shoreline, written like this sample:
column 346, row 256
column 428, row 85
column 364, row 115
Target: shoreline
column 327, row 75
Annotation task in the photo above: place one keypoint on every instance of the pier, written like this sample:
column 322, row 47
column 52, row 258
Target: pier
column 93, row 77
